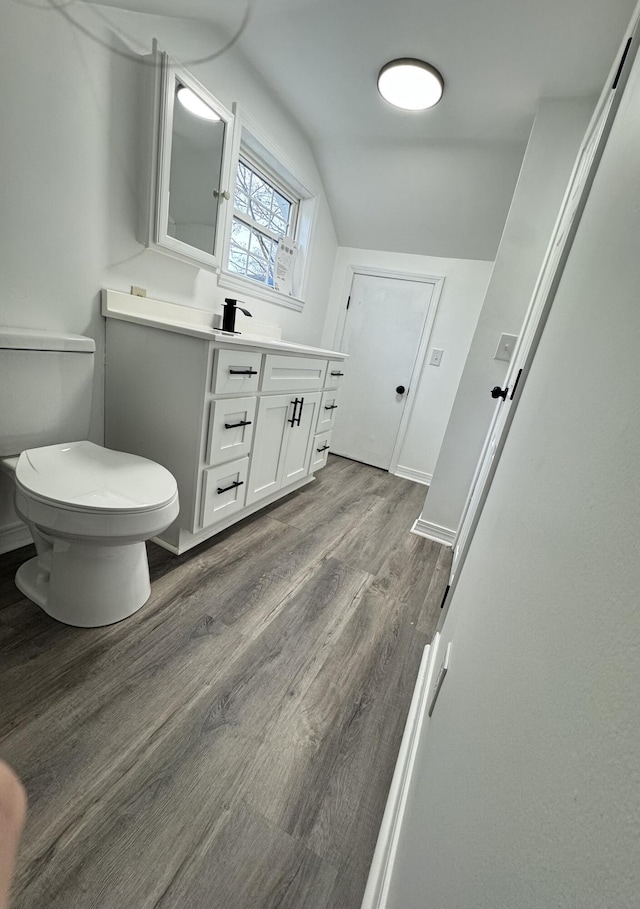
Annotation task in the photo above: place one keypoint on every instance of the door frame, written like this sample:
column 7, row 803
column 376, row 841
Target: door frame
column 437, row 283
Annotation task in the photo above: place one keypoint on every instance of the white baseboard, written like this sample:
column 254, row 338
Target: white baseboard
column 379, row 880
column 418, row 476
column 434, row 532
column 13, row 536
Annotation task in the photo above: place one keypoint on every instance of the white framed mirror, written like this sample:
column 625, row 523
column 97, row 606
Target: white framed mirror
column 191, row 169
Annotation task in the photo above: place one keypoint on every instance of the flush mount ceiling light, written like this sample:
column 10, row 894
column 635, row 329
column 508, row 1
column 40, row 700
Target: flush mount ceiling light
column 410, row 84
column 194, row 104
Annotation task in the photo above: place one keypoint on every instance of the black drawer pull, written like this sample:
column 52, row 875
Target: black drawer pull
column 324, row 448
column 295, row 419
column 243, row 372
column 233, row 486
column 337, row 373
column 235, row 425
column 330, row 406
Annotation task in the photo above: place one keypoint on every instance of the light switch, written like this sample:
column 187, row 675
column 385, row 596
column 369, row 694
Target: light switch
column 506, row 346
column 436, row 357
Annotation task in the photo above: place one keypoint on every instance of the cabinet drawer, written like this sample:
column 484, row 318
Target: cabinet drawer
column 327, row 412
column 223, row 491
column 236, row 372
column 320, row 451
column 335, row 374
column 293, row 373
column 231, row 423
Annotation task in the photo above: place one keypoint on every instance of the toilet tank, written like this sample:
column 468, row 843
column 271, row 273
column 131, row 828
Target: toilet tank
column 46, row 381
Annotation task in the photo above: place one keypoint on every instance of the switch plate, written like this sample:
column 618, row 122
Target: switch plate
column 506, row 346
column 138, row 291
column 436, row 357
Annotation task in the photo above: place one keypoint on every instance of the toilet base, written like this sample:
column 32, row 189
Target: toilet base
column 84, row 584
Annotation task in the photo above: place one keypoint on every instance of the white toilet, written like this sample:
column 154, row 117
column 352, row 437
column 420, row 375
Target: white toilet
column 89, row 509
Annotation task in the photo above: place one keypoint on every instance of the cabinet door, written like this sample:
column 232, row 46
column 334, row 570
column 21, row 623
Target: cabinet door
column 269, row 446
column 230, row 429
column 223, row 491
column 300, row 440
column 327, row 414
column 335, row 374
column 296, row 374
column 320, row 451
column 236, row 372
column 191, row 172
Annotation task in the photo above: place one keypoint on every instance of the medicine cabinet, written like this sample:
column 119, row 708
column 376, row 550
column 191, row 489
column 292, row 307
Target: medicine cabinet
column 190, row 174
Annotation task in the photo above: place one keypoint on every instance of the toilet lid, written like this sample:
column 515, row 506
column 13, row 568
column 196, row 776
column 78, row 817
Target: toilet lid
column 87, row 477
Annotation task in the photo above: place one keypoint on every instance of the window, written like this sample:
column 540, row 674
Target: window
column 264, row 209
column 272, row 199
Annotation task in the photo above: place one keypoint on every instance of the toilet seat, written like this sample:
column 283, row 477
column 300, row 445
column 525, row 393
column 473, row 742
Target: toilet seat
column 86, row 478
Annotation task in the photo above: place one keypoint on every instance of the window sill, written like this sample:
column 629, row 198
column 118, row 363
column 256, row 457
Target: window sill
column 255, row 289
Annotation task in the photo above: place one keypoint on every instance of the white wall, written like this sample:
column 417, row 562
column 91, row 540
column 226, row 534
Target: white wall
column 450, row 198
column 460, row 303
column 527, row 785
column 72, row 146
column 553, row 144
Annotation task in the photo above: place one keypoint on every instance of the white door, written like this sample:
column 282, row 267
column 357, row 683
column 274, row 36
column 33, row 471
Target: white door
column 541, row 301
column 384, row 331
column 269, row 446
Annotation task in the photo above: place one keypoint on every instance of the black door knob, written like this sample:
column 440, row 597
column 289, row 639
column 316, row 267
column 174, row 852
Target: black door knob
column 400, row 389
column 497, row 392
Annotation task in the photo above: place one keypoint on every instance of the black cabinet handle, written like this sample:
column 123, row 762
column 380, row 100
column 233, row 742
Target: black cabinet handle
column 294, row 416
column 337, row 374
column 497, row 392
column 297, row 414
column 243, row 372
column 324, row 448
column 233, row 486
column 400, row 390
column 330, row 406
column 235, row 425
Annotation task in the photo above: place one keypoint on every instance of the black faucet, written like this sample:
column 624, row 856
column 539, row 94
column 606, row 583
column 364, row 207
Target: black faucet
column 229, row 314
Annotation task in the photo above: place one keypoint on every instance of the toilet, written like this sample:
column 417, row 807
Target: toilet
column 89, row 509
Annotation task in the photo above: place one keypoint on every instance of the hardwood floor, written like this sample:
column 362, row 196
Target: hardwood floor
column 231, row 745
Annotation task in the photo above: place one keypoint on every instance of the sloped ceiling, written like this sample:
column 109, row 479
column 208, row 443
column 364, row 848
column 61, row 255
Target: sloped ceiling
column 438, row 182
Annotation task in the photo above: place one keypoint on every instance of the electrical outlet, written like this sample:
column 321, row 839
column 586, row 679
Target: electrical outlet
column 138, row 291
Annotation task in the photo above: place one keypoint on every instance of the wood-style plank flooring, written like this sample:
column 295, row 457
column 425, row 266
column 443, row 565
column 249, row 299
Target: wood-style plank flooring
column 231, row 745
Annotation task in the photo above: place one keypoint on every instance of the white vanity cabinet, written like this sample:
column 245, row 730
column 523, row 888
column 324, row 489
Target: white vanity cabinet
column 237, row 422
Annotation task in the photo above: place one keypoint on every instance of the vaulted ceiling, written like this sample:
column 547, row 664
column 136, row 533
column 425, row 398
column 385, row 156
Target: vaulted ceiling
column 438, row 182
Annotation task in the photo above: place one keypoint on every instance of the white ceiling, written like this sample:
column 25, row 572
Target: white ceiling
column 438, row 182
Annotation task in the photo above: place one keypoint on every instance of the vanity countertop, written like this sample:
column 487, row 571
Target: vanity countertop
column 195, row 322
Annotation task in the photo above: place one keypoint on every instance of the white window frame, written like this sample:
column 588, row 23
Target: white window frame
column 252, row 143
column 250, row 161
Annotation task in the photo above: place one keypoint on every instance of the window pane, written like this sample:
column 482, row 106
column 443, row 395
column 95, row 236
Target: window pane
column 259, row 246
column 253, row 252
column 279, row 225
column 261, row 201
column 256, row 268
column 238, row 261
column 260, row 211
column 282, row 207
column 240, row 233
column 241, row 200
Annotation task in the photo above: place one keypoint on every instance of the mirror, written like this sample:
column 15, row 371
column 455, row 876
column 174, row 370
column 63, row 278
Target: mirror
column 197, row 143
column 192, row 170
